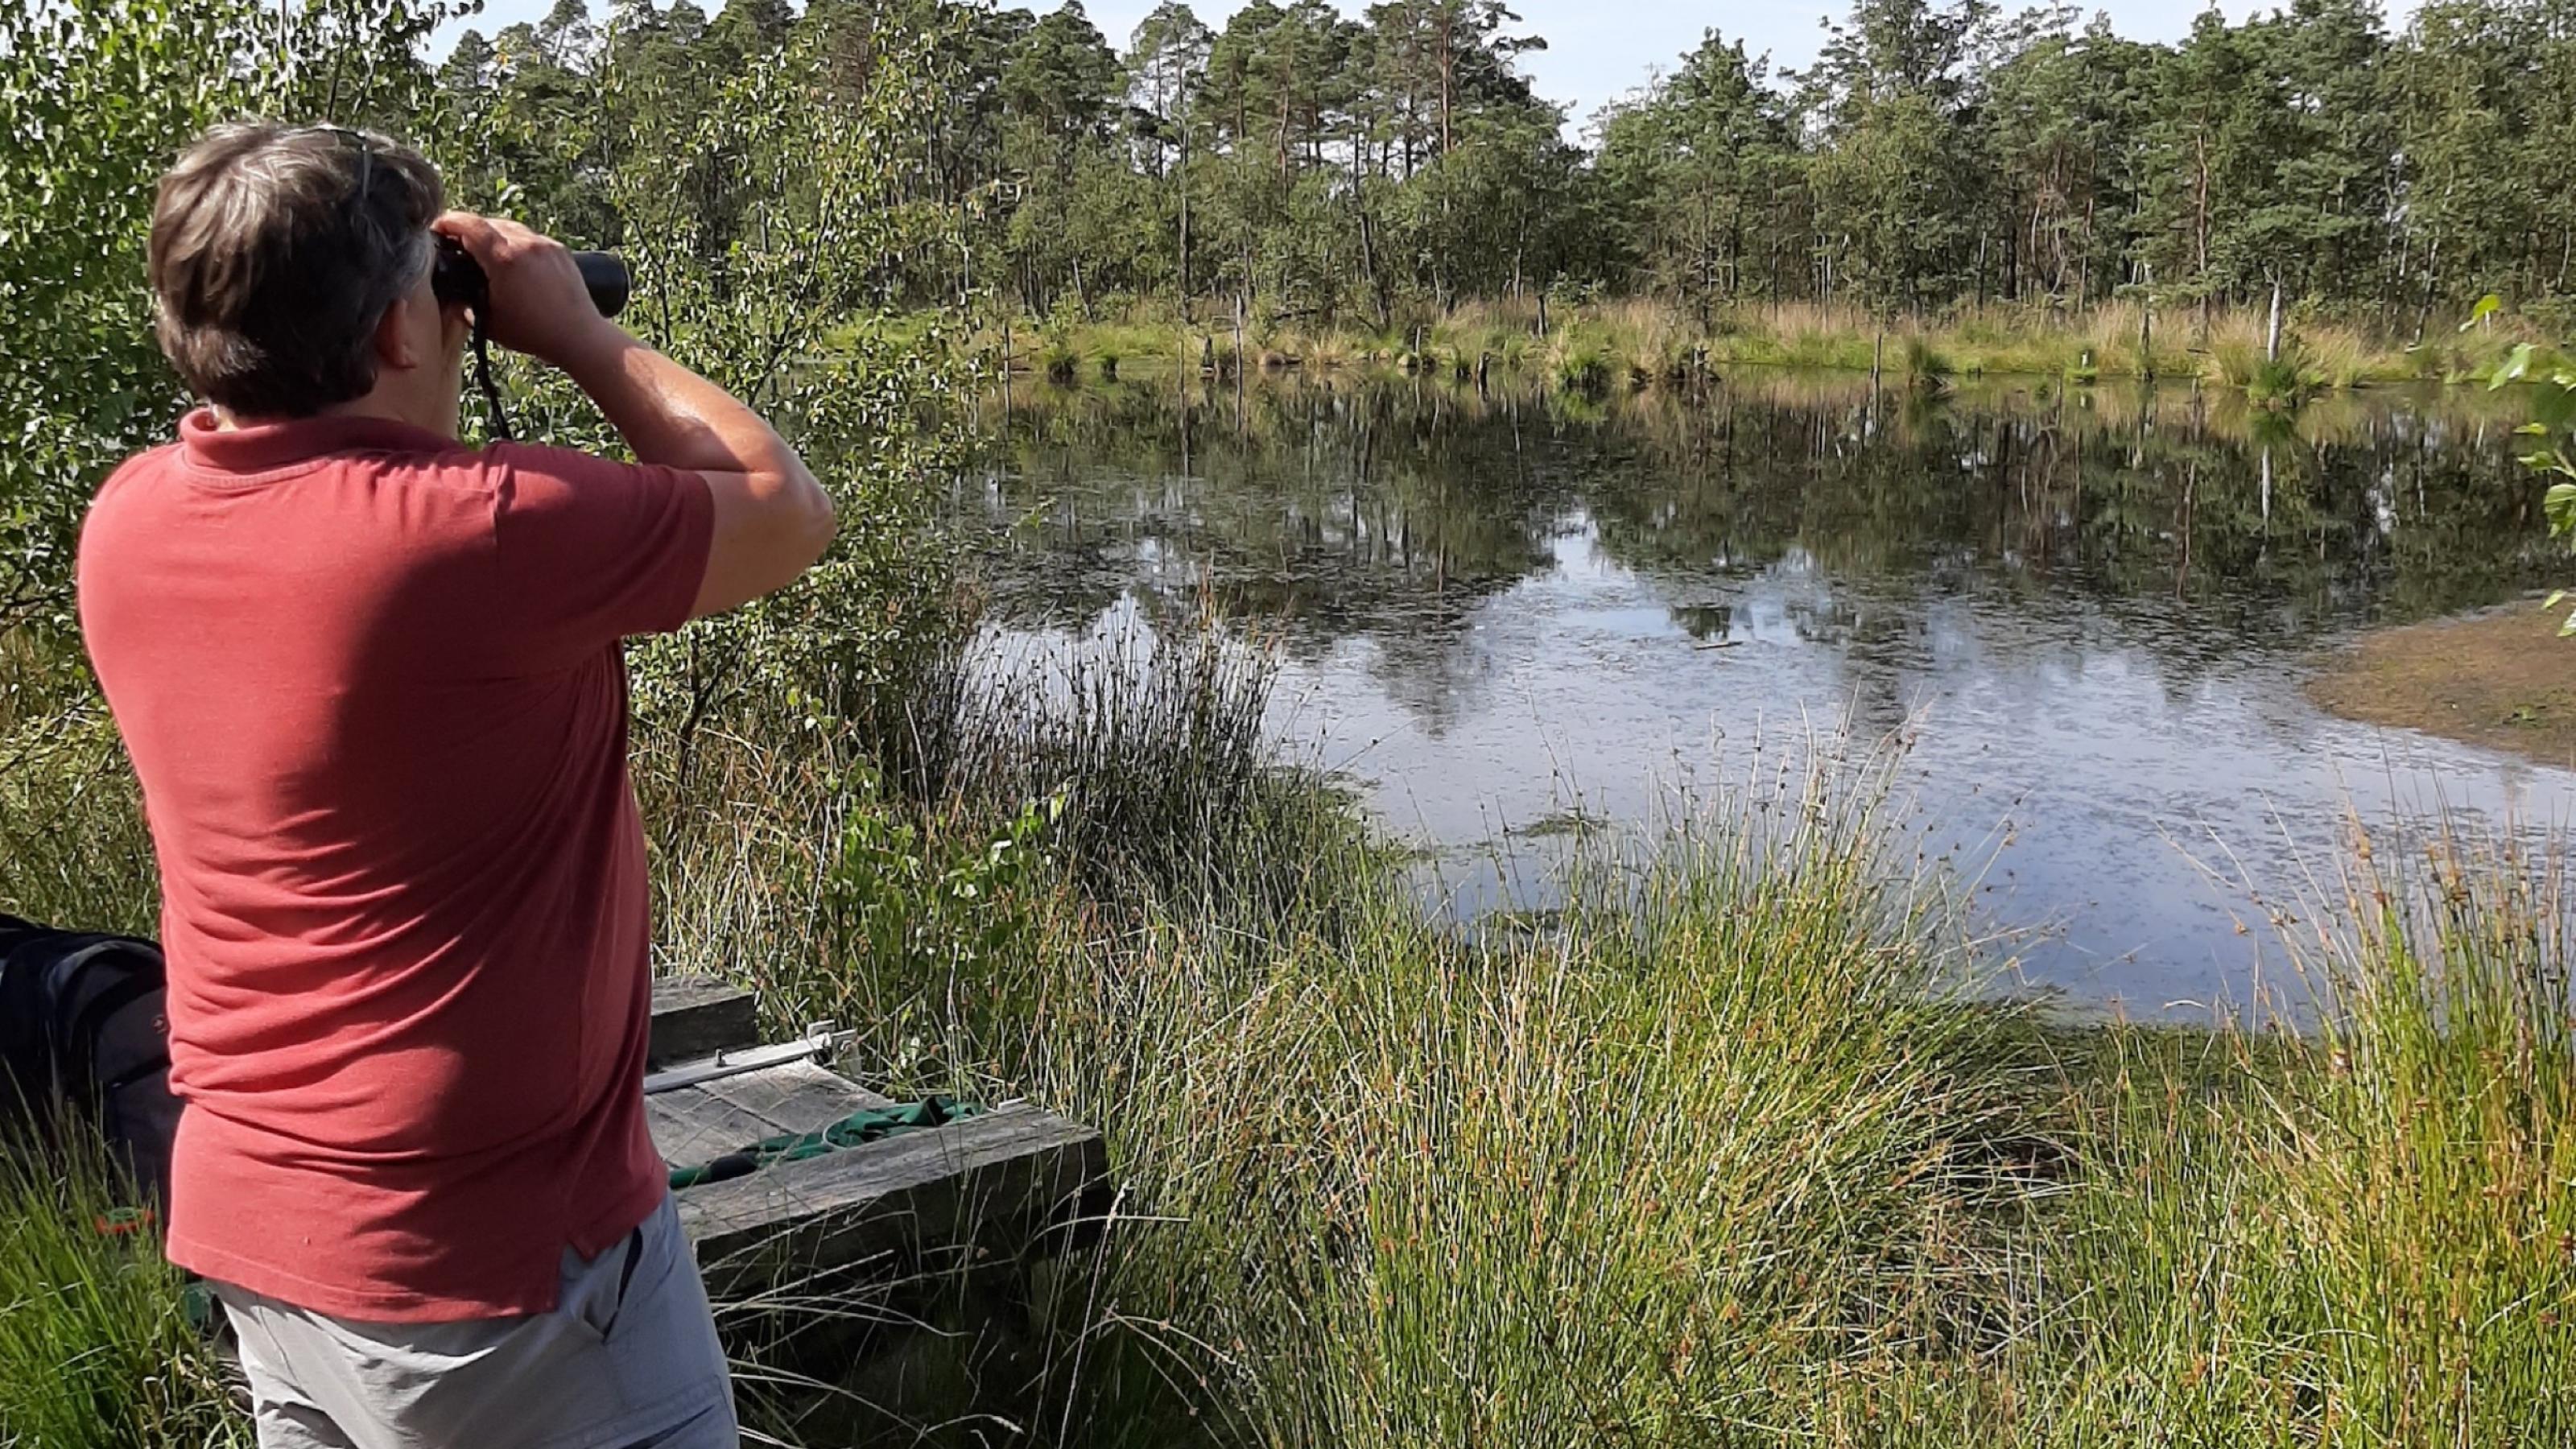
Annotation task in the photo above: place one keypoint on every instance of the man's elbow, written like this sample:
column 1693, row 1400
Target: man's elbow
column 817, row 525
column 769, row 530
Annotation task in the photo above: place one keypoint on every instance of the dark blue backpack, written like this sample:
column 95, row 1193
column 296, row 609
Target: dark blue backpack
column 82, row 1024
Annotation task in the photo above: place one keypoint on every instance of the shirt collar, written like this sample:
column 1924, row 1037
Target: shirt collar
column 261, row 447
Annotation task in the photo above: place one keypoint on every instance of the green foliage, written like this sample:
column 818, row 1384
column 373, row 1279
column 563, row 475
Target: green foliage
column 2552, row 383
column 925, row 906
column 95, row 102
column 1310, row 166
column 1707, row 170
column 81, row 382
column 1890, row 226
column 897, row 891
column 768, row 208
column 96, row 1350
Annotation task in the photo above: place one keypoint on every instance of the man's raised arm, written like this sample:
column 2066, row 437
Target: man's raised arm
column 773, row 520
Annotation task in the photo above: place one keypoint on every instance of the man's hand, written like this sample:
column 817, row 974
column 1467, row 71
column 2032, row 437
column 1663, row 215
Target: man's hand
column 538, row 303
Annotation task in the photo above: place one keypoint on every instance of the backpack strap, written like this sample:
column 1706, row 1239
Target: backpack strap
column 151, row 1066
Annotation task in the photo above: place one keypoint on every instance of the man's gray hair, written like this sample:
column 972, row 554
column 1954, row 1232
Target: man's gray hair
column 276, row 251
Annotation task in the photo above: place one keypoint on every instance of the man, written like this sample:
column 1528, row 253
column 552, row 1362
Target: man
column 371, row 681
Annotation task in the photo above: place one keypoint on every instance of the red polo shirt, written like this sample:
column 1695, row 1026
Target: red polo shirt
column 372, row 684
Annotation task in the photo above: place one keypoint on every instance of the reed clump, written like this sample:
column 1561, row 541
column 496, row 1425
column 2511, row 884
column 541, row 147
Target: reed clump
column 2357, row 1233
column 1927, row 368
column 1723, row 1135
column 1581, row 360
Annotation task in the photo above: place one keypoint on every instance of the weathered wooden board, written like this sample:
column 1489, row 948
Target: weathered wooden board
column 695, row 1017
column 690, row 1127
column 694, row 1124
column 994, row 1187
column 798, row 1096
column 999, row 1185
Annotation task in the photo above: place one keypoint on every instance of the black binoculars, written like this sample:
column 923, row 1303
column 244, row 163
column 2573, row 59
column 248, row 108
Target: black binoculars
column 457, row 279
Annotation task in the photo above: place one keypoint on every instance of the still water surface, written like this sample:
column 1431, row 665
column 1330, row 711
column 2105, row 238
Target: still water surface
column 2087, row 617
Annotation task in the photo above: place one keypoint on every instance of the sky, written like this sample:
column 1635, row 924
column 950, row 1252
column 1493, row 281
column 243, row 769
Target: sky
column 1599, row 50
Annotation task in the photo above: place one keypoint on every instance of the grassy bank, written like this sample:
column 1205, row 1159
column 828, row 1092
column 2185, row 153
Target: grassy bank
column 1728, row 1153
column 1641, row 342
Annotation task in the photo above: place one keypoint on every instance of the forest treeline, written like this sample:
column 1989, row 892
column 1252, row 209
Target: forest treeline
column 1323, row 169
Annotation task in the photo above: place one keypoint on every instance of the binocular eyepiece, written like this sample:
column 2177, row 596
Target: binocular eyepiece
column 457, row 279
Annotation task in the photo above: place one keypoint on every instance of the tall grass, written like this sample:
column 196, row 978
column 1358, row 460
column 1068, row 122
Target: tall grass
column 1713, row 1152
column 2358, row 1234
column 1647, row 342
column 95, row 1345
column 1728, row 1150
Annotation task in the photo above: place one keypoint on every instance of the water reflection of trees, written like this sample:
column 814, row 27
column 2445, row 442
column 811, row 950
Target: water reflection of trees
column 1333, row 510
column 1391, row 510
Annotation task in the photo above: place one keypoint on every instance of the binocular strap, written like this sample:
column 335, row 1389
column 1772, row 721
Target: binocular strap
column 500, row 421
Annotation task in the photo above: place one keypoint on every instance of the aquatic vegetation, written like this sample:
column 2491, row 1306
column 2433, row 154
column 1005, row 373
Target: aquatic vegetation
column 1580, row 361
column 1927, row 369
column 1059, row 358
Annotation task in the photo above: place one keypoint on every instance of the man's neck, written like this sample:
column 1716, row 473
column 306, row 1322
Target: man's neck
column 373, row 405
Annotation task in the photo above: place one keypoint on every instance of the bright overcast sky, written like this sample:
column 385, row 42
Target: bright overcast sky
column 1597, row 50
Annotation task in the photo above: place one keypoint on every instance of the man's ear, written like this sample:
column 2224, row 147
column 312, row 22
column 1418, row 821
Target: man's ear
column 395, row 345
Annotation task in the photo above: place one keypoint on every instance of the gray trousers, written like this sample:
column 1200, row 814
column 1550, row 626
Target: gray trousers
column 627, row 1359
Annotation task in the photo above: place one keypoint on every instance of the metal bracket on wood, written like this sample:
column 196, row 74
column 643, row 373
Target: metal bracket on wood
column 821, row 1040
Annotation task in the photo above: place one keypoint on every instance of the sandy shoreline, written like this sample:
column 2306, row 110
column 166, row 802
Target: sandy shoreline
column 2502, row 679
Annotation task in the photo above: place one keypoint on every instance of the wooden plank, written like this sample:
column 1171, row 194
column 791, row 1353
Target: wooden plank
column 795, row 1096
column 694, row 1124
column 691, row 1126
column 695, row 1017
column 1003, row 1183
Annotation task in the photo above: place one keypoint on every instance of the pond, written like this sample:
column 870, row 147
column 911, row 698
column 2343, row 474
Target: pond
column 2076, row 622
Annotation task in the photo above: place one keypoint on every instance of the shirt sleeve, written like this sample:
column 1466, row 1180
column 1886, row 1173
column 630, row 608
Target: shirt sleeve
column 591, row 551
